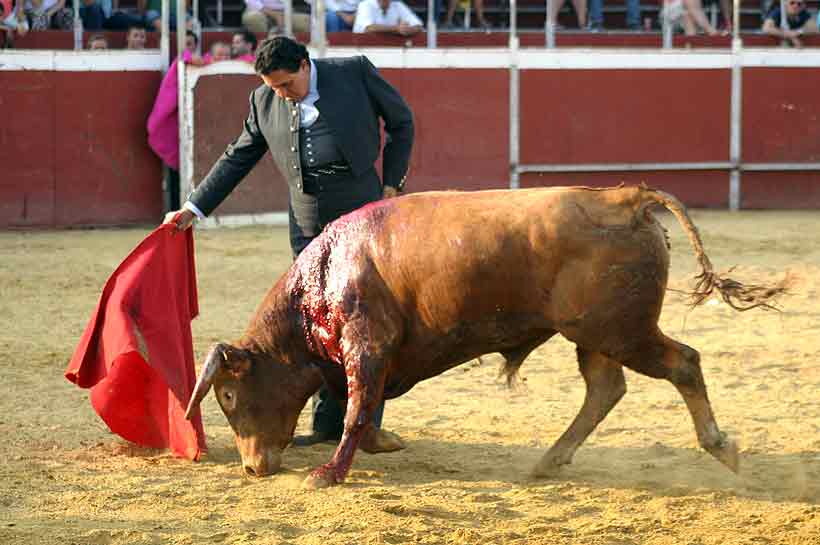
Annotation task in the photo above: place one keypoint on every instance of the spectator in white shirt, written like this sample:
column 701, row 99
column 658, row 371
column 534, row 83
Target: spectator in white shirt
column 391, row 16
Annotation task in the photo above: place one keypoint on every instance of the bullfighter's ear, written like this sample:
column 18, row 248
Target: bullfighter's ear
column 235, row 360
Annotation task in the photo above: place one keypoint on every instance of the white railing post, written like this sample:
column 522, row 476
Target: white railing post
column 432, row 26
column 515, row 158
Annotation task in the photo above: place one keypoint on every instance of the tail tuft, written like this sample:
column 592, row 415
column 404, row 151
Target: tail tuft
column 737, row 295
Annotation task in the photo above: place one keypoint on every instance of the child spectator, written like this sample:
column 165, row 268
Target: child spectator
column 135, row 39
column 220, row 51
column 97, row 42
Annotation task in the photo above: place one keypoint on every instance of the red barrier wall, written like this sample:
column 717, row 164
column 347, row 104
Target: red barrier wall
column 222, row 105
column 74, row 149
column 462, row 139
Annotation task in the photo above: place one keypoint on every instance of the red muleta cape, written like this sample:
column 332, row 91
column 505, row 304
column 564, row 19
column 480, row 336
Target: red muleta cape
column 137, row 353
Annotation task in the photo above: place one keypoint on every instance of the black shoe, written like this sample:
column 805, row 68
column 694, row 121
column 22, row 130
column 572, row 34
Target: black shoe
column 314, row 438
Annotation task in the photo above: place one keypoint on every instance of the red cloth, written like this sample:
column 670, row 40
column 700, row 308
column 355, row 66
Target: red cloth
column 146, row 308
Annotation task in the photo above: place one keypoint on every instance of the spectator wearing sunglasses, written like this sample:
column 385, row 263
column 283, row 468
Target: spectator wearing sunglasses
column 798, row 21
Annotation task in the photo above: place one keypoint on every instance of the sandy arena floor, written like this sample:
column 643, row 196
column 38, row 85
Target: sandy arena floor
column 464, row 478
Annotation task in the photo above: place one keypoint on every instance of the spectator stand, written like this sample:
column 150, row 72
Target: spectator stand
column 220, row 18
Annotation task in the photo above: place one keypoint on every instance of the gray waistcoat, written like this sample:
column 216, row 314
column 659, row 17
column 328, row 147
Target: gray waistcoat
column 317, row 146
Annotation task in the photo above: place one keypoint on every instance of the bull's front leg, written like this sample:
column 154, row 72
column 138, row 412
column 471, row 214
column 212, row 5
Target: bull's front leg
column 365, row 388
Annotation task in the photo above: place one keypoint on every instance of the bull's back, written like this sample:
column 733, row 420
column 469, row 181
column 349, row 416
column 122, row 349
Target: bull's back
column 486, row 271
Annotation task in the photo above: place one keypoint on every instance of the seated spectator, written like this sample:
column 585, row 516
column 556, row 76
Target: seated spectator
column 97, row 42
column 725, row 12
column 263, row 15
column 92, row 13
column 580, row 11
column 45, row 14
column 12, row 21
column 391, row 16
column 596, row 15
column 135, row 39
column 340, row 15
column 115, row 18
column 243, row 45
column 269, row 16
column 478, row 6
column 153, row 14
column 689, row 14
column 191, row 41
column 220, row 51
column 798, row 22
column 694, row 17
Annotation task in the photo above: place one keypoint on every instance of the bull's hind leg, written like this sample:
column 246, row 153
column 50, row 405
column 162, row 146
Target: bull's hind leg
column 605, row 387
column 680, row 365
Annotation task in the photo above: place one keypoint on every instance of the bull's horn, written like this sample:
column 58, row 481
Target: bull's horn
column 212, row 364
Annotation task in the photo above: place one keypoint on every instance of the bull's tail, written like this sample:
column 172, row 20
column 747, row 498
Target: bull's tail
column 737, row 295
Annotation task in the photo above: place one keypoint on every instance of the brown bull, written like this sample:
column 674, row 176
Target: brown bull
column 402, row 290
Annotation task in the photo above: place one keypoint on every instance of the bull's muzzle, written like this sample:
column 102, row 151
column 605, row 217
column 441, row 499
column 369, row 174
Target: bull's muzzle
column 261, row 463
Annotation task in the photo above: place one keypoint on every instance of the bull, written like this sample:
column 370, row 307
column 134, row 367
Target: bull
column 404, row 289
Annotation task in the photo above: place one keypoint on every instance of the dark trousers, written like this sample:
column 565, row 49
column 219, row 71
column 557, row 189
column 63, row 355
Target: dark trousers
column 92, row 17
column 171, row 189
column 326, row 198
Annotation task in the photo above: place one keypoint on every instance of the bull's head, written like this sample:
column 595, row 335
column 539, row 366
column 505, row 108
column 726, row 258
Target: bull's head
column 261, row 399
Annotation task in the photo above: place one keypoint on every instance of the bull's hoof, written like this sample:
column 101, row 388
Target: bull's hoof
column 321, row 477
column 375, row 441
column 548, row 467
column 726, row 453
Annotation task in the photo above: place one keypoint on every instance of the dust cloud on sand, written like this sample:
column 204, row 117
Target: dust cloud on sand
column 464, row 478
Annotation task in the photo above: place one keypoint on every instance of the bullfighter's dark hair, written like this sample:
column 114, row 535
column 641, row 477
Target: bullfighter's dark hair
column 248, row 36
column 279, row 53
column 193, row 35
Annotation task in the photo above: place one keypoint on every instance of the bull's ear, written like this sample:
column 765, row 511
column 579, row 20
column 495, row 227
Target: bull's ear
column 235, row 360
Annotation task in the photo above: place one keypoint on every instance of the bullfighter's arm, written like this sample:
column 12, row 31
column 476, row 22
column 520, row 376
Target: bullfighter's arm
column 239, row 158
column 398, row 124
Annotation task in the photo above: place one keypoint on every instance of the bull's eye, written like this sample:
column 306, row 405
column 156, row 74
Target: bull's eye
column 227, row 398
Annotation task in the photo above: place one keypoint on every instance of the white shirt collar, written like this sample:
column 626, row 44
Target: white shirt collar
column 308, row 113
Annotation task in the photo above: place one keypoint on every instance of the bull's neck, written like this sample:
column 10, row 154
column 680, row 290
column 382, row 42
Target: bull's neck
column 274, row 329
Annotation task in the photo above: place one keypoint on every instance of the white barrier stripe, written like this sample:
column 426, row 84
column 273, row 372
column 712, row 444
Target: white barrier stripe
column 392, row 57
column 625, row 167
column 780, row 58
column 148, row 60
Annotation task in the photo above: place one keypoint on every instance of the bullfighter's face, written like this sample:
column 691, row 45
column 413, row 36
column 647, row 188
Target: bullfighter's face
column 260, row 398
column 290, row 85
